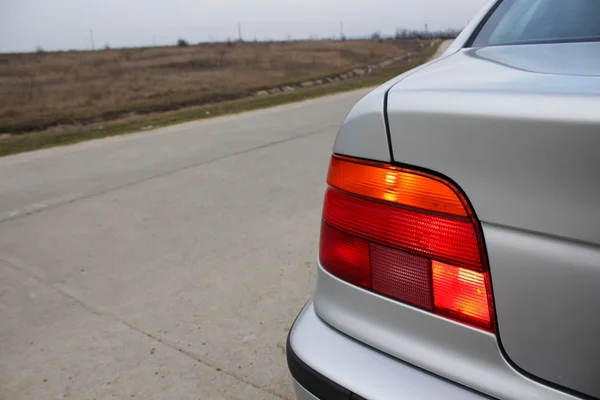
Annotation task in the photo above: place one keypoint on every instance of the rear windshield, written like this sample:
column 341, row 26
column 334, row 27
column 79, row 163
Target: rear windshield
column 541, row 21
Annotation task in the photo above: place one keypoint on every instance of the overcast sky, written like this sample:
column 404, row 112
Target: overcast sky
column 65, row 24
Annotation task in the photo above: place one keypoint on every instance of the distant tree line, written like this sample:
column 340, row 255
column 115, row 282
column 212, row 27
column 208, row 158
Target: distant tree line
column 426, row 34
column 400, row 34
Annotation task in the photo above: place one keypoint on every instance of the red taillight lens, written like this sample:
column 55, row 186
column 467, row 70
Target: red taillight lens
column 407, row 235
column 427, row 234
column 345, row 255
column 460, row 292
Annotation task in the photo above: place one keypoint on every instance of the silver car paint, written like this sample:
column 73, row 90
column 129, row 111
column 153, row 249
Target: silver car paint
column 366, row 116
column 546, row 293
column 518, row 129
column 360, row 369
column 455, row 351
column 302, row 393
column 364, row 130
column 509, row 149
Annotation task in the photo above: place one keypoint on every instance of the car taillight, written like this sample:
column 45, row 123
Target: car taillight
column 407, row 235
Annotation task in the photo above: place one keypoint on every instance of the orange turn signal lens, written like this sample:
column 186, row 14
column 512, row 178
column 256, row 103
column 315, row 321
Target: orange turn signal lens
column 461, row 293
column 396, row 185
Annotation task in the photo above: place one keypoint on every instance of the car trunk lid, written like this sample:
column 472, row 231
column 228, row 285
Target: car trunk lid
column 518, row 129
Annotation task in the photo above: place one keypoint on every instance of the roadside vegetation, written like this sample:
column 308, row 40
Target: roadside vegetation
column 85, row 95
column 44, row 89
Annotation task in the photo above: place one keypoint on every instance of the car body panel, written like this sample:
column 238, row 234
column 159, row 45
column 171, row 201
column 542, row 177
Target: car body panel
column 366, row 116
column 362, row 370
column 564, row 59
column 302, row 393
column 364, row 133
column 454, row 351
column 563, row 345
column 500, row 154
column 521, row 137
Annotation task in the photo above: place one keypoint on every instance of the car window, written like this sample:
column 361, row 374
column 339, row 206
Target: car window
column 541, row 21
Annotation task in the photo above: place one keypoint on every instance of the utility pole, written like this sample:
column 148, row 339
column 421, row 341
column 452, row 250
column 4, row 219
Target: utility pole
column 92, row 39
column 153, row 41
column 341, row 30
column 240, row 32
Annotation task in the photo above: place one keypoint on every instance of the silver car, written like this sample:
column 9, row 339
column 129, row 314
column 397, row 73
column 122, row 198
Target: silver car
column 460, row 240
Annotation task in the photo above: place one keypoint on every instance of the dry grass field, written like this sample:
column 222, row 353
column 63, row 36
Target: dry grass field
column 41, row 90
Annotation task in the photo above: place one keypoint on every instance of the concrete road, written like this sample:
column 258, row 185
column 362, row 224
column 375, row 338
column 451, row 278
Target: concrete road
column 163, row 265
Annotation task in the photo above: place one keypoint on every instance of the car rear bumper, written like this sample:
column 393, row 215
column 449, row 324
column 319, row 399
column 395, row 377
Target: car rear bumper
column 327, row 364
column 302, row 393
